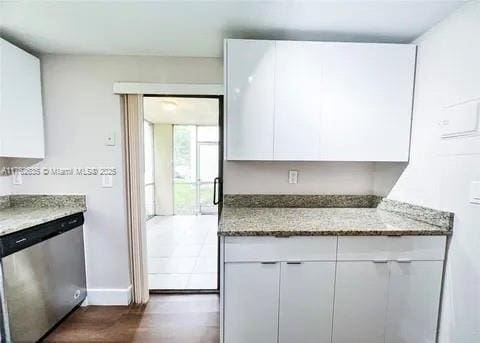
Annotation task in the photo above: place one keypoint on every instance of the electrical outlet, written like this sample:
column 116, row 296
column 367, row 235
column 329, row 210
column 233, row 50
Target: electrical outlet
column 17, row 178
column 293, row 176
column 107, row 181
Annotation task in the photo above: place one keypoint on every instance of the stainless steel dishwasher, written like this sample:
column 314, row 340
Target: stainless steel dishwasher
column 42, row 277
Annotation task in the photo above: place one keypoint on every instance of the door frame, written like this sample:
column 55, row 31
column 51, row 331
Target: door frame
column 221, row 150
column 177, row 90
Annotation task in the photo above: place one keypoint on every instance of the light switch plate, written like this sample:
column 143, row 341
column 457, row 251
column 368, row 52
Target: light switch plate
column 107, row 181
column 293, row 176
column 110, row 139
column 17, row 178
column 475, row 192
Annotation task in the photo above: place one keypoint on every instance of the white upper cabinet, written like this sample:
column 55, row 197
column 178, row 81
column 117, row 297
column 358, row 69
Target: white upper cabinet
column 367, row 101
column 21, row 115
column 298, row 80
column 250, row 86
column 315, row 101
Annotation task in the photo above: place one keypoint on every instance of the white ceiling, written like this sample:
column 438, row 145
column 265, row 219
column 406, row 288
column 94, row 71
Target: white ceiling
column 197, row 28
column 190, row 111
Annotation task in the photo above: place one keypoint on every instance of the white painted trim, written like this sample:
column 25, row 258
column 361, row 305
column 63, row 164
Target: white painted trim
column 108, row 296
column 167, row 88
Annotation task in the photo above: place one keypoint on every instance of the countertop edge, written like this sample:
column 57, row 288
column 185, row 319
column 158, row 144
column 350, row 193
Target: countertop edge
column 63, row 212
column 260, row 233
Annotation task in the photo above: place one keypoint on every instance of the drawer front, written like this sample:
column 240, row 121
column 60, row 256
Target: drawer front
column 430, row 248
column 265, row 249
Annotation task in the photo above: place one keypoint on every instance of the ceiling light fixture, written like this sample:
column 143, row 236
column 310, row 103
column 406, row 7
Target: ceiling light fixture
column 169, row 105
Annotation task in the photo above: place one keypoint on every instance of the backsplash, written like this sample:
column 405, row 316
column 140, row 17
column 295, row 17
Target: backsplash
column 297, row 200
column 4, row 201
column 42, row 200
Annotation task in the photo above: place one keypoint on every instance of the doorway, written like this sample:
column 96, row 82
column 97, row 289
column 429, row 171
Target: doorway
column 187, row 156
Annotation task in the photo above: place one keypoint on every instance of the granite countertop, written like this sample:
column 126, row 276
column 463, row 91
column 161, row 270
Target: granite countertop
column 21, row 212
column 389, row 218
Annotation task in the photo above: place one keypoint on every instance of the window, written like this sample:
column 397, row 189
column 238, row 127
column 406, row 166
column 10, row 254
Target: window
column 195, row 168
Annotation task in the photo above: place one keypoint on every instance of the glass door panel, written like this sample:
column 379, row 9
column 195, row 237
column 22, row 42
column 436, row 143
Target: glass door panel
column 184, row 173
column 208, row 161
column 208, row 171
column 195, row 168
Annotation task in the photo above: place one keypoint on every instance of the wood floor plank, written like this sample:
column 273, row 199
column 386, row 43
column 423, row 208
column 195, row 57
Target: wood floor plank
column 165, row 319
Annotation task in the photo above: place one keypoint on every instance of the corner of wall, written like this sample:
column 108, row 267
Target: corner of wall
column 386, row 175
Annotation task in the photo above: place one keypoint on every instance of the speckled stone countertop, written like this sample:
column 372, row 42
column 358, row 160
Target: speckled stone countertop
column 392, row 219
column 20, row 212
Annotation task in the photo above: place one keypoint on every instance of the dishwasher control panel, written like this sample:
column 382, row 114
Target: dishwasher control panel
column 17, row 241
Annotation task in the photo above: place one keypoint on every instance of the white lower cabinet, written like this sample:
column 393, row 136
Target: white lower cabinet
column 387, row 301
column 306, row 302
column 251, row 302
column 361, row 293
column 413, row 302
column 322, row 290
column 279, row 302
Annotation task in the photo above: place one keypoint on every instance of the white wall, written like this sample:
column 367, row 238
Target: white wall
column 439, row 174
column 163, row 138
column 80, row 110
column 313, row 178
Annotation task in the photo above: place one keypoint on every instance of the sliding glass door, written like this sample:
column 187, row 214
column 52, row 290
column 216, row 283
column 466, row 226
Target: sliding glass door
column 195, row 168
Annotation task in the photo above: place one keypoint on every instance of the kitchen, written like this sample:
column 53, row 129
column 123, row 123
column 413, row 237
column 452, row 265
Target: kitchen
column 350, row 166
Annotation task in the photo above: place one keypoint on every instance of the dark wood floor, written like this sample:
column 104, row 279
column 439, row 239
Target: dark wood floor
column 165, row 319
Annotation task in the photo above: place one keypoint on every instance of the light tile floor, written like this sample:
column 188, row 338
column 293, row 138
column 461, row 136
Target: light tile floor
column 182, row 252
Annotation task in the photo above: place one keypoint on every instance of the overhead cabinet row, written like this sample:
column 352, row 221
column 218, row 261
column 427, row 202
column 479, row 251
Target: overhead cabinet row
column 315, row 101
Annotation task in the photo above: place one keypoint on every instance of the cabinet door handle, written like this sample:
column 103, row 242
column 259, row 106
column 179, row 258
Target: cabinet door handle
column 294, row 262
column 380, row 261
column 404, row 260
column 268, row 262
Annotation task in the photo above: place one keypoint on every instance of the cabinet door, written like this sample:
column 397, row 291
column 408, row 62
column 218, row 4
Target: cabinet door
column 298, row 80
column 21, row 115
column 250, row 105
column 414, row 295
column 306, row 302
column 367, row 101
column 360, row 302
column 251, row 302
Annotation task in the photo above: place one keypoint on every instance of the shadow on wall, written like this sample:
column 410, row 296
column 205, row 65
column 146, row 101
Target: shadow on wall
column 386, row 175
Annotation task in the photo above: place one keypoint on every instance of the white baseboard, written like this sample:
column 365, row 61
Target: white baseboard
column 108, row 296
